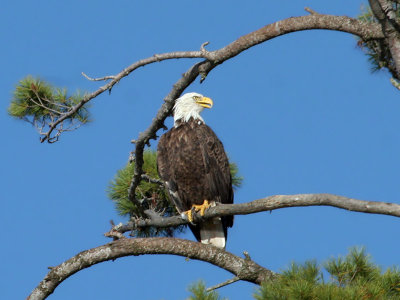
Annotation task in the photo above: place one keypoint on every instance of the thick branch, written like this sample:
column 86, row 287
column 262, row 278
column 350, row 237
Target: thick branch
column 243, row 268
column 272, row 203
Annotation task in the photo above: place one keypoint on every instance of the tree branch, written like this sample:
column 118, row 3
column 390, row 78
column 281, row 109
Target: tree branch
column 384, row 13
column 242, row 268
column 268, row 204
column 314, row 21
column 225, row 283
column 116, row 78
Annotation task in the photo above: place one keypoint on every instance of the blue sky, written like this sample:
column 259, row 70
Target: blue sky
column 299, row 114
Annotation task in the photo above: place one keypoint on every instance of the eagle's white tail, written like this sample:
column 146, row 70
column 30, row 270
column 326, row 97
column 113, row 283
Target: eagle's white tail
column 212, row 232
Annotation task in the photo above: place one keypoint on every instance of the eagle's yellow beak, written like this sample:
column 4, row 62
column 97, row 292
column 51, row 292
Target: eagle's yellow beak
column 205, row 102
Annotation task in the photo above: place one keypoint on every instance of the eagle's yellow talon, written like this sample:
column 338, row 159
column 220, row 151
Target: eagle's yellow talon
column 189, row 215
column 202, row 208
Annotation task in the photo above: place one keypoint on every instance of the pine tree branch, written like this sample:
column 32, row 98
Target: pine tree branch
column 268, row 204
column 244, row 269
column 314, row 21
column 116, row 78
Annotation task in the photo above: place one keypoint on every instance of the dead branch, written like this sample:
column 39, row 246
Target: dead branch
column 244, row 269
column 314, row 21
column 225, row 283
column 115, row 79
column 269, row 204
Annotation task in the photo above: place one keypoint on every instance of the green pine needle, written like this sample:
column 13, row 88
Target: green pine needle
column 352, row 277
column 199, row 292
column 237, row 180
column 152, row 195
column 40, row 104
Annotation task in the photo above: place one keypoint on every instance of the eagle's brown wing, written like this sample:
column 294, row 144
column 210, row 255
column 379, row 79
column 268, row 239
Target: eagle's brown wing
column 191, row 160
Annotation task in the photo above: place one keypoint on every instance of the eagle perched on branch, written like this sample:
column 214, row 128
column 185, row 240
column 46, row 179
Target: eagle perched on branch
column 192, row 162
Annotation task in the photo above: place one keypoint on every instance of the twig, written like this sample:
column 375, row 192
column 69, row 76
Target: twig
column 217, row 286
column 311, row 11
column 98, row 79
column 395, row 83
column 152, row 180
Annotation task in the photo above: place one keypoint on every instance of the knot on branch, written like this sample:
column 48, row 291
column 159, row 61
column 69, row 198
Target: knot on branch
column 209, row 55
column 114, row 232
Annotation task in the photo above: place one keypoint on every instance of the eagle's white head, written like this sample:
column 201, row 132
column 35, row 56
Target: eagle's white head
column 190, row 105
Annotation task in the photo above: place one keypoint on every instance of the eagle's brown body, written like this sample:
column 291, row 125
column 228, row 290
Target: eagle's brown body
column 192, row 162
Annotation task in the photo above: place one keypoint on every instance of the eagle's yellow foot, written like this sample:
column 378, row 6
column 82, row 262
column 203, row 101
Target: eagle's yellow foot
column 189, row 215
column 202, row 208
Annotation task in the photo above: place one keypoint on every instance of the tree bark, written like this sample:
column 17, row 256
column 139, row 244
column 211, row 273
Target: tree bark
column 243, row 268
column 265, row 204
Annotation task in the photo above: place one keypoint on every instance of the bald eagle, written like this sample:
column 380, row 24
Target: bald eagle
column 192, row 162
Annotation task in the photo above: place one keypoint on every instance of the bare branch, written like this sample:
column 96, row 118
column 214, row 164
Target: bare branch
column 244, row 269
column 225, row 283
column 272, row 203
column 98, row 79
column 311, row 11
column 152, row 180
column 125, row 72
column 315, row 21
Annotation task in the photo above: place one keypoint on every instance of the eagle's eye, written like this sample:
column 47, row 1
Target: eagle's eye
column 196, row 98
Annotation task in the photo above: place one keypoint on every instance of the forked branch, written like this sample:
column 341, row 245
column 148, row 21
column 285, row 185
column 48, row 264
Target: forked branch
column 314, row 21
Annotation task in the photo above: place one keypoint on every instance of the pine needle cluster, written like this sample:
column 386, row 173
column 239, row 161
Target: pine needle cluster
column 377, row 50
column 199, row 292
column 40, row 103
column 353, row 277
column 152, row 195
